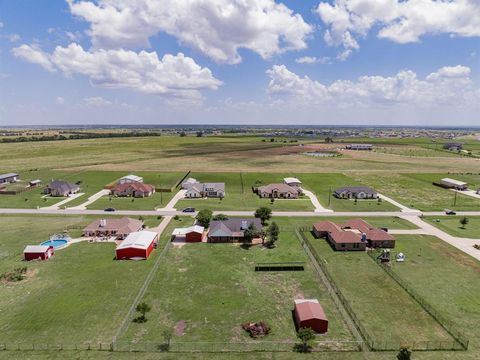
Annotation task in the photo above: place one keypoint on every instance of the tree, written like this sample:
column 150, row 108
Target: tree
column 272, row 233
column 404, row 354
column 464, row 221
column 306, row 335
column 250, row 233
column 203, row 217
column 199, row 133
column 220, row 217
column 183, row 134
column 142, row 308
column 263, row 213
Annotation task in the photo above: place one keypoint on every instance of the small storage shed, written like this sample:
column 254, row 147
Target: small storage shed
column 309, row 314
column 191, row 234
column 37, row 252
column 137, row 246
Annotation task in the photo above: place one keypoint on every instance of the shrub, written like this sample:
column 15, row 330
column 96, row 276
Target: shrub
column 256, row 329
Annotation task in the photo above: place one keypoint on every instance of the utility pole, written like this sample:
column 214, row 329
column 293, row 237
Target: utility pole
column 455, row 199
column 329, row 195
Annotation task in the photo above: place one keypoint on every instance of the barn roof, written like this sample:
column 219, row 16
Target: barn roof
column 138, row 240
column 289, row 180
column 309, row 309
column 184, row 231
column 36, row 249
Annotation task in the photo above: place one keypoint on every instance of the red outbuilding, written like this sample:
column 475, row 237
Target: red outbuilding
column 37, row 252
column 191, row 234
column 309, row 314
column 137, row 246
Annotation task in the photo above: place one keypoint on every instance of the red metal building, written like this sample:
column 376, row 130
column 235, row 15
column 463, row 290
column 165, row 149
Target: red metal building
column 137, row 246
column 309, row 314
column 37, row 252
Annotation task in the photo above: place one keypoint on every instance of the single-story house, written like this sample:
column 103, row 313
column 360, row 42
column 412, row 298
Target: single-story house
column 130, row 179
column 38, row 252
column 34, row 183
column 133, row 189
column 294, row 182
column 354, row 235
column 453, row 146
column 190, row 181
column 359, row 147
column 231, row 230
column 119, row 228
column 276, row 191
column 61, row 188
column 309, row 314
column 200, row 190
column 9, row 178
column 454, row 184
column 355, row 192
column 137, row 245
column 191, row 234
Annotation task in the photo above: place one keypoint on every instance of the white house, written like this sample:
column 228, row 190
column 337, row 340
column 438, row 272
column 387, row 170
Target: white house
column 130, row 179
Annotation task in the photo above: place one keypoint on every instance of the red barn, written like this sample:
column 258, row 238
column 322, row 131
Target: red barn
column 191, row 234
column 309, row 314
column 137, row 246
column 37, row 252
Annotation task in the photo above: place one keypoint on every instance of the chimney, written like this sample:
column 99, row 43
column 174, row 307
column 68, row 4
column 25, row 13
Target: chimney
column 244, row 225
column 103, row 223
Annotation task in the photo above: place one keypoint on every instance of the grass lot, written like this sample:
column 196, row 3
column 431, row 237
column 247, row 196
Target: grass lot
column 239, row 194
column 417, row 190
column 386, row 311
column 214, row 289
column 447, row 278
column 80, row 295
column 452, row 226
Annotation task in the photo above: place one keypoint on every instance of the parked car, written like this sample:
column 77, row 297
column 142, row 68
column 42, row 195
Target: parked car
column 450, row 212
column 109, row 209
column 188, row 210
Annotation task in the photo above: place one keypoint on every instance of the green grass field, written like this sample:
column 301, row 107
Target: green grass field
column 387, row 312
column 452, row 226
column 214, row 289
column 417, row 190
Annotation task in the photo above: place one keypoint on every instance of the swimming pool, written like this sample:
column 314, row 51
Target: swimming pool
column 57, row 243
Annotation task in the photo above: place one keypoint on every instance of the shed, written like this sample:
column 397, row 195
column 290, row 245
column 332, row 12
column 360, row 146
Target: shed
column 8, row 178
column 130, row 179
column 137, row 246
column 454, row 184
column 309, row 314
column 292, row 181
column 191, row 234
column 37, row 252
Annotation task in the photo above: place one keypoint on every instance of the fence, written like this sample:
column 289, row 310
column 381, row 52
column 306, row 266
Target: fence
column 459, row 341
column 186, row 347
column 457, row 335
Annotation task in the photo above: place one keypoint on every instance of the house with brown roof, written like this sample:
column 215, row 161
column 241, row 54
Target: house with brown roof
column 278, row 191
column 355, row 234
column 133, row 189
column 118, row 228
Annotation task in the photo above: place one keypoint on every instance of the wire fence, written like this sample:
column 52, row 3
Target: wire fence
column 450, row 328
column 458, row 343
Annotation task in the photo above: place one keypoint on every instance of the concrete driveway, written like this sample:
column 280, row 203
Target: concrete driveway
column 315, row 202
column 91, row 200
column 63, row 202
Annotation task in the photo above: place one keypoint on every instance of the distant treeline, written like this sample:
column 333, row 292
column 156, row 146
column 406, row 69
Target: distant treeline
column 77, row 136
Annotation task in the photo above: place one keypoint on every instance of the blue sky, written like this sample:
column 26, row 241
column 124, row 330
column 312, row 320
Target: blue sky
column 231, row 62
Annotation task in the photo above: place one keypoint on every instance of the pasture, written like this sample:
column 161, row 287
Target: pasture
column 452, row 226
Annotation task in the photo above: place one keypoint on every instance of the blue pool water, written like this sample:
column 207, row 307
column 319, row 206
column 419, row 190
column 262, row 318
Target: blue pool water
column 55, row 243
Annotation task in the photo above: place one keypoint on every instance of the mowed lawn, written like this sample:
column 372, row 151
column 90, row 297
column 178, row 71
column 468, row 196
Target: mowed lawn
column 239, row 194
column 447, row 278
column 81, row 295
column 417, row 190
column 386, row 311
column 452, row 226
column 213, row 289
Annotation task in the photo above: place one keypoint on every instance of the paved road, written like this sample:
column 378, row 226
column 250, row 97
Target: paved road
column 315, row 202
column 463, row 244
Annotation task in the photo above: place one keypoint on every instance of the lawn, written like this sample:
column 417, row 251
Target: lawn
column 213, row 288
column 81, row 295
column 447, row 278
column 417, row 190
column 452, row 226
column 387, row 312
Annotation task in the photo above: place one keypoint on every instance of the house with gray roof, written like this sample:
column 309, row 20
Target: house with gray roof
column 355, row 192
column 8, row 178
column 200, row 190
column 231, row 230
column 61, row 188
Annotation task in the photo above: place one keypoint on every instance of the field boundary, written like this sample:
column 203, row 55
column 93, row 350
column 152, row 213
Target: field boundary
column 454, row 333
column 458, row 343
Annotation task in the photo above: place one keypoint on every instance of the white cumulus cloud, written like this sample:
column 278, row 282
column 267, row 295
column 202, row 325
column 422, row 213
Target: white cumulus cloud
column 175, row 76
column 96, row 101
column 217, row 28
column 448, row 86
column 399, row 21
column 313, row 60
